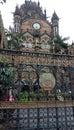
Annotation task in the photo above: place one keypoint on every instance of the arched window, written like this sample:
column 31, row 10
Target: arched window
column 17, row 27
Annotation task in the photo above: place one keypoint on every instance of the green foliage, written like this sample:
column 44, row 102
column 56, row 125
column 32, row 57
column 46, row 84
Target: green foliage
column 59, row 42
column 7, row 74
column 14, row 40
column 25, row 96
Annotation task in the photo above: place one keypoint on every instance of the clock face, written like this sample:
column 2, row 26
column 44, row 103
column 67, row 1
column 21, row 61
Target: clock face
column 36, row 26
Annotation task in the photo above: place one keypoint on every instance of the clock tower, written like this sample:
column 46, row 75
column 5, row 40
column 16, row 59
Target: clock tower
column 30, row 20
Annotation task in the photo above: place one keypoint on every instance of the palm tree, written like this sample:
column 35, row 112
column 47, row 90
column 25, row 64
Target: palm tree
column 59, row 43
column 2, row 1
column 14, row 40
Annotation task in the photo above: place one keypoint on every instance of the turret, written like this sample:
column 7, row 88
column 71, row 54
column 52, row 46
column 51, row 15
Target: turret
column 17, row 20
column 45, row 13
column 55, row 23
column 38, row 3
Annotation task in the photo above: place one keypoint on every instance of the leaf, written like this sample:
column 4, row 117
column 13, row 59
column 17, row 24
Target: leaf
column 7, row 75
column 15, row 40
column 2, row 1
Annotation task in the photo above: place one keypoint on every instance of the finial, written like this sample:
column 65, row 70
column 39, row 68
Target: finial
column 38, row 3
column 45, row 12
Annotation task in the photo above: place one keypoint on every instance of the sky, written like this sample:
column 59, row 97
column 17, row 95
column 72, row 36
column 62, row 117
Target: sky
column 63, row 8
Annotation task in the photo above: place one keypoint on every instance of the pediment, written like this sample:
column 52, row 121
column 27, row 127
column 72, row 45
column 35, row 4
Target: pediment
column 27, row 34
column 45, row 36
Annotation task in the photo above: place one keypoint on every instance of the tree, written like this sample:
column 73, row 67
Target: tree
column 7, row 76
column 14, row 40
column 59, row 42
column 2, row 1
column 1, row 28
column 2, row 33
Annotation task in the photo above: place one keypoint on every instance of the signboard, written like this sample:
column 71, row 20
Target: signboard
column 47, row 81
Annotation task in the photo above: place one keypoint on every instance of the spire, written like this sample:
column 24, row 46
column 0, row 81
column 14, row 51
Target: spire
column 17, row 11
column 45, row 13
column 55, row 16
column 38, row 3
column 55, row 23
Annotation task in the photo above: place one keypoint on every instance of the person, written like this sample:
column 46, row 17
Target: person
column 11, row 96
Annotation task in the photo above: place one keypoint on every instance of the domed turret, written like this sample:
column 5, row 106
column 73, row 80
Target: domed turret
column 55, row 23
column 17, row 19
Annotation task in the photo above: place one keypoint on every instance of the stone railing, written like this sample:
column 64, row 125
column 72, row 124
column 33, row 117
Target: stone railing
column 35, row 104
column 37, row 58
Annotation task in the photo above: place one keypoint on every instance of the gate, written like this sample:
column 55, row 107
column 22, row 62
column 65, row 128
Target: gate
column 60, row 118
column 38, row 106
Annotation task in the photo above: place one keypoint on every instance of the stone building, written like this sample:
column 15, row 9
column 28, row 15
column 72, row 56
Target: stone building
column 43, row 73
column 38, row 31
column 36, row 52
